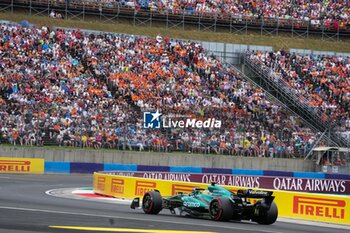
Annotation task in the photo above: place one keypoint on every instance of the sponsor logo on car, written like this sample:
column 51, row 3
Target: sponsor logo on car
column 319, row 207
column 143, row 187
column 191, row 204
column 256, row 192
column 14, row 165
column 180, row 188
column 117, row 186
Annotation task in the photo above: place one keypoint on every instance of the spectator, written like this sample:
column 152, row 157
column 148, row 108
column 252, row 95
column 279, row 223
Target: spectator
column 314, row 13
column 321, row 82
column 338, row 161
column 59, row 87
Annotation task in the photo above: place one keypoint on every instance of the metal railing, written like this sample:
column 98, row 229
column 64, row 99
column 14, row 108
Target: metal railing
column 292, row 100
column 112, row 12
column 272, row 97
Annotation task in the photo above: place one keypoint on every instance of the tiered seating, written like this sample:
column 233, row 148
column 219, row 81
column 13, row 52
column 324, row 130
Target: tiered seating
column 333, row 15
column 320, row 81
column 77, row 89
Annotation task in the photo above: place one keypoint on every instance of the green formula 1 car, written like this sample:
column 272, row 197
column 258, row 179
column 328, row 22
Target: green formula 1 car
column 216, row 202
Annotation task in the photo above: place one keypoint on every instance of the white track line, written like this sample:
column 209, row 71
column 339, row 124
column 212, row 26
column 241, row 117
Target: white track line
column 134, row 219
column 73, row 195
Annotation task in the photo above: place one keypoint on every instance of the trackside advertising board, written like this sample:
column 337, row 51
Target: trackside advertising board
column 309, row 185
column 21, row 165
column 315, row 207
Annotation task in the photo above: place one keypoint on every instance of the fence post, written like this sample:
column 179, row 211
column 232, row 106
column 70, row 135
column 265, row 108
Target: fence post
column 338, row 30
column 216, row 19
column 66, row 10
column 84, row 11
column 322, row 29
column 135, row 17
column 167, row 19
column 100, row 10
column 150, row 18
column 199, row 22
column 183, row 21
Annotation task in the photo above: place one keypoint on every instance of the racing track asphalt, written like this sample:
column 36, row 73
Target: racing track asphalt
column 25, row 208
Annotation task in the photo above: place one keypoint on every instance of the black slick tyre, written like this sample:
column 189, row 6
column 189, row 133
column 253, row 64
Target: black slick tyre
column 152, row 202
column 269, row 216
column 220, row 209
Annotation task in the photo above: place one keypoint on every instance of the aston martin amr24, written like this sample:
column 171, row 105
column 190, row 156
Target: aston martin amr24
column 215, row 202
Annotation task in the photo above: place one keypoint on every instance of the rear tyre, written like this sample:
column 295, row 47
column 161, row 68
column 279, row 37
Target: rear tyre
column 269, row 216
column 220, row 209
column 152, row 202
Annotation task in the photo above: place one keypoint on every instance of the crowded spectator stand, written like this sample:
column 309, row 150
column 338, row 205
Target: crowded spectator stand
column 318, row 81
column 329, row 19
column 58, row 88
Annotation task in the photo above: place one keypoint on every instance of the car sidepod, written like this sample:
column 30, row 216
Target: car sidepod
column 194, row 203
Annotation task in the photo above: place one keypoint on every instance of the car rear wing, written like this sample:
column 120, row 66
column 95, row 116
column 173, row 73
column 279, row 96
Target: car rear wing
column 250, row 193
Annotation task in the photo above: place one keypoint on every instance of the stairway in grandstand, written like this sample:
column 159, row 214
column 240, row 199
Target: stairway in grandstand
column 276, row 88
column 3, row 96
column 47, row 140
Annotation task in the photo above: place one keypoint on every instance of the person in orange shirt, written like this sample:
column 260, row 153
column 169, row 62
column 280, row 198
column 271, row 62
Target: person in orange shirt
column 15, row 135
column 57, row 128
column 222, row 147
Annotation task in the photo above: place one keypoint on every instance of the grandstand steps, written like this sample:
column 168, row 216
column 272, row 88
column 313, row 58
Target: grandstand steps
column 47, row 140
column 282, row 94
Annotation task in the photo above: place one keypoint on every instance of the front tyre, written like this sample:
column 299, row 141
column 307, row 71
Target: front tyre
column 220, row 209
column 269, row 216
column 152, row 202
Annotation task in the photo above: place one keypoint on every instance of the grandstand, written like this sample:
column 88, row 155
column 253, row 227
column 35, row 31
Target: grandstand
column 327, row 19
column 71, row 87
column 320, row 81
